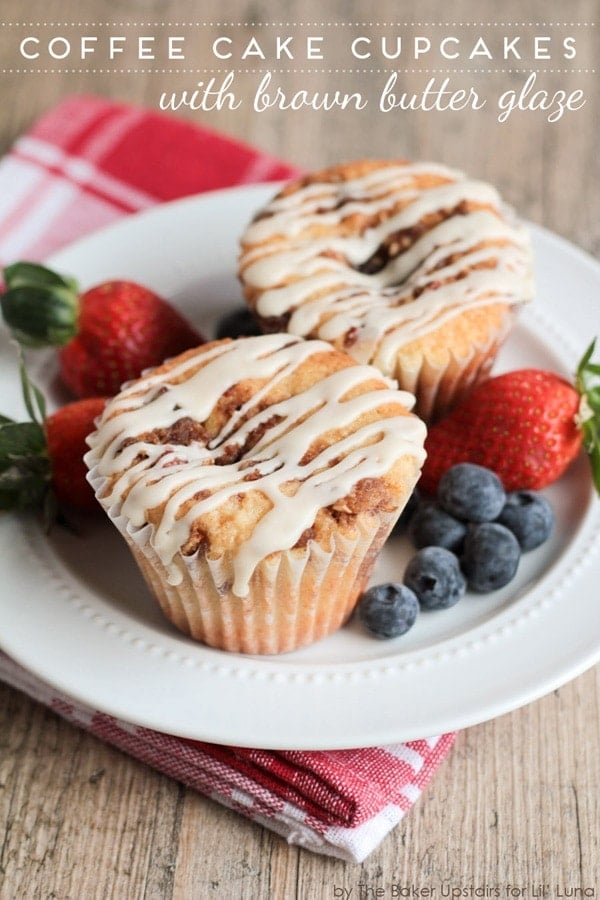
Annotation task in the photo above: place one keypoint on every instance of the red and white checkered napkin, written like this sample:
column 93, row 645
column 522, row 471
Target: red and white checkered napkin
column 86, row 164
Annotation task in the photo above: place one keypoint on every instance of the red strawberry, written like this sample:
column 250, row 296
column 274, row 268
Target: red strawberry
column 526, row 425
column 66, row 431
column 108, row 335
column 41, row 461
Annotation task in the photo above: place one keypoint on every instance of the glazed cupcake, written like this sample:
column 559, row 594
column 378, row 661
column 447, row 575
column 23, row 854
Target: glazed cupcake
column 411, row 267
column 255, row 482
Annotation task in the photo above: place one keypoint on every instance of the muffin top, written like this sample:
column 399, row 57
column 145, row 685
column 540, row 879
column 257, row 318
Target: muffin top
column 373, row 255
column 252, row 446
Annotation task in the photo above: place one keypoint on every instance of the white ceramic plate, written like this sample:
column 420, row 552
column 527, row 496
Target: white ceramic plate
column 76, row 612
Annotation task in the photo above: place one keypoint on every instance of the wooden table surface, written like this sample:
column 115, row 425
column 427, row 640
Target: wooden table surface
column 517, row 803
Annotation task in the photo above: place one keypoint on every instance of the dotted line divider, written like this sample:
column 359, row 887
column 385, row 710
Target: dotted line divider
column 296, row 71
column 301, row 24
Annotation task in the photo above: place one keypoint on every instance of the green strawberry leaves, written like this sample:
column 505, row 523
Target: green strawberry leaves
column 587, row 382
column 25, row 470
column 39, row 305
column 24, row 465
column 18, row 439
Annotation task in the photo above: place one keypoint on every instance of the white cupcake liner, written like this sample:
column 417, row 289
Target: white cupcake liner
column 295, row 596
column 440, row 387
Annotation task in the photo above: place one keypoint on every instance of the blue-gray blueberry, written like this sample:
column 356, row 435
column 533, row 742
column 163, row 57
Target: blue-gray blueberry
column 471, row 493
column 388, row 610
column 434, row 575
column 530, row 518
column 432, row 526
column 490, row 556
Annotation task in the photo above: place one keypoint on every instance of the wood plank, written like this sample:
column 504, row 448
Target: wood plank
column 78, row 818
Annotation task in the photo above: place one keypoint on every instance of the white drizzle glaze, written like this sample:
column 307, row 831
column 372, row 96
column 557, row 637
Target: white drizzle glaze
column 173, row 474
column 326, row 297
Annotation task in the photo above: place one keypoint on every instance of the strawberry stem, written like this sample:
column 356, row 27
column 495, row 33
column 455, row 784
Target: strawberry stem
column 33, row 398
column 39, row 306
column 587, row 382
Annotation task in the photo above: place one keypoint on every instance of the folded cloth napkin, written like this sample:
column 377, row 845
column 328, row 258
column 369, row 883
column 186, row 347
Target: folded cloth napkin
column 85, row 164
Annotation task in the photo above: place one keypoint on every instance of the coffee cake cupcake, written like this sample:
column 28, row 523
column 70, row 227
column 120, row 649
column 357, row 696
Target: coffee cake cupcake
column 411, row 267
column 255, row 482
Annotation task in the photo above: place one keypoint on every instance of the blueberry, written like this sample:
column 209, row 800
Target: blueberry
column 239, row 323
column 472, row 493
column 431, row 526
column 408, row 512
column 490, row 557
column 388, row 610
column 434, row 575
column 530, row 518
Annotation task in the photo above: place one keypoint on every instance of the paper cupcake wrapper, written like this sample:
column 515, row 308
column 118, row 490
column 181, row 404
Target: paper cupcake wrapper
column 439, row 388
column 295, row 596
